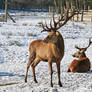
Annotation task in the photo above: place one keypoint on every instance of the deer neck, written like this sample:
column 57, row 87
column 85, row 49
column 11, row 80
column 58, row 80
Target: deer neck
column 60, row 43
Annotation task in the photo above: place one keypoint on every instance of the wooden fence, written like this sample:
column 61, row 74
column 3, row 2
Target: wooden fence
column 85, row 16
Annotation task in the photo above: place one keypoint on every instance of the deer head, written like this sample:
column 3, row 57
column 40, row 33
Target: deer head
column 62, row 20
column 81, row 52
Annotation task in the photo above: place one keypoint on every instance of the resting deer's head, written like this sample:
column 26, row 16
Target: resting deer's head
column 81, row 52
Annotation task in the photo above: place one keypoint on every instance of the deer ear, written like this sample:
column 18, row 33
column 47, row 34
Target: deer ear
column 57, row 33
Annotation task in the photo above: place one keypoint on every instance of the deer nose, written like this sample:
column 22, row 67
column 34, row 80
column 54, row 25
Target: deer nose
column 73, row 55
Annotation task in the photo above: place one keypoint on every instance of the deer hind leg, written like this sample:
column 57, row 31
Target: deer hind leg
column 58, row 69
column 51, row 72
column 33, row 65
column 31, row 59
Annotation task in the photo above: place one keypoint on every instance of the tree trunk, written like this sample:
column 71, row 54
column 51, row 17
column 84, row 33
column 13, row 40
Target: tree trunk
column 67, row 4
column 49, row 10
column 82, row 16
column 61, row 2
column 56, row 6
column 77, row 4
column 6, row 9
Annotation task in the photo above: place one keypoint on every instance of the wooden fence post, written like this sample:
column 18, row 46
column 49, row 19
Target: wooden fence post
column 49, row 10
column 6, row 9
column 6, row 12
column 55, row 6
column 82, row 16
column 77, row 17
column 91, row 18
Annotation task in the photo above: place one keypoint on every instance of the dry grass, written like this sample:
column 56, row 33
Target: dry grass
column 24, row 24
column 15, row 43
column 31, row 34
column 9, row 33
column 1, row 19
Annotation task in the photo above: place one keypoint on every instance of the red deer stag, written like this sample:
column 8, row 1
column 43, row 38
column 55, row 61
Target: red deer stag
column 83, row 63
column 48, row 51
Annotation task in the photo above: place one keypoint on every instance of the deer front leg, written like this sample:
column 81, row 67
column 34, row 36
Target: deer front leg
column 27, row 68
column 33, row 65
column 51, row 72
column 58, row 69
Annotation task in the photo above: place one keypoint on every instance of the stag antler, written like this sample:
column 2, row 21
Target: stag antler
column 88, row 44
column 65, row 18
column 85, row 47
column 62, row 20
column 45, row 28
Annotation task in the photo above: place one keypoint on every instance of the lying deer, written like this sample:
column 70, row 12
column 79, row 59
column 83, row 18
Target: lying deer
column 48, row 51
column 83, row 63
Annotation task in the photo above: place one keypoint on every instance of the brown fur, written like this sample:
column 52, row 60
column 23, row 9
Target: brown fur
column 80, row 65
column 50, row 49
column 46, row 51
column 83, row 63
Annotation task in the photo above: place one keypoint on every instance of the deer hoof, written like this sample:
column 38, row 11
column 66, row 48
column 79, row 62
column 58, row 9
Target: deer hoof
column 60, row 84
column 25, row 81
column 36, row 81
column 51, row 85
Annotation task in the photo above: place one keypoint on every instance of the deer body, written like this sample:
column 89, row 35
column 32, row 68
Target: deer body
column 80, row 65
column 83, row 63
column 41, row 51
column 47, row 50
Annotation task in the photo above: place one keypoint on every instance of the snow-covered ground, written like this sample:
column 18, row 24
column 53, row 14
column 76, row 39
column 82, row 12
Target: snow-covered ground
column 14, row 42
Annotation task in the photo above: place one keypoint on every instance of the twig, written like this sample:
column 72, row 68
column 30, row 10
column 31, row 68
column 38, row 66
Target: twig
column 10, row 83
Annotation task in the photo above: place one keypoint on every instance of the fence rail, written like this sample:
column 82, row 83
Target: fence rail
column 85, row 16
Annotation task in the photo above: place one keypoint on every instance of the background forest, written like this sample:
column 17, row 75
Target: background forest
column 44, row 4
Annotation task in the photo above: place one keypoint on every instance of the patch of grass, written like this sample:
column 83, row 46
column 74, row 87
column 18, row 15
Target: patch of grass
column 30, row 24
column 5, row 49
column 40, row 23
column 24, row 14
column 34, row 14
column 15, row 24
column 81, row 27
column 1, row 44
column 31, row 34
column 15, row 43
column 9, row 33
column 70, row 37
column 24, row 24
column 21, row 34
column 1, row 19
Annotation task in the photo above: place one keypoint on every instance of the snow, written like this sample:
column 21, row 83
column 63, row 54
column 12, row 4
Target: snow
column 14, row 52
